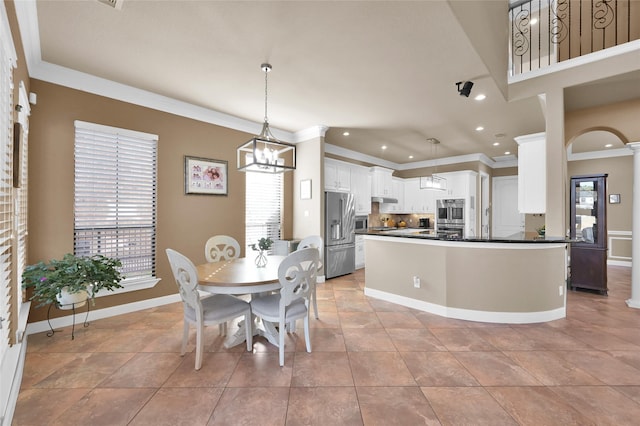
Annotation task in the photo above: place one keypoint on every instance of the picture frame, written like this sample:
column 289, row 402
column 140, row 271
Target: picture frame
column 205, row 176
column 614, row 198
column 305, row 189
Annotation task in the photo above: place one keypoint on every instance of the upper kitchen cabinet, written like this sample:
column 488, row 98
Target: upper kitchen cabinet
column 337, row 176
column 361, row 189
column 381, row 182
column 532, row 173
column 460, row 184
column 397, row 192
column 417, row 200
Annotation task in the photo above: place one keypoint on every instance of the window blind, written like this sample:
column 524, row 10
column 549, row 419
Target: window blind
column 263, row 206
column 115, row 196
column 7, row 63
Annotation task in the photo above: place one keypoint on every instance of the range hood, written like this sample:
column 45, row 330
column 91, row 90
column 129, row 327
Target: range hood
column 387, row 200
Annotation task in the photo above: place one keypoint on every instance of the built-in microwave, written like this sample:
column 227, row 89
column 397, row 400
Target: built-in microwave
column 362, row 223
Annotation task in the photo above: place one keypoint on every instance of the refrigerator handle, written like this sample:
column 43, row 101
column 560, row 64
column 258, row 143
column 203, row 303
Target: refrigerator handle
column 341, row 237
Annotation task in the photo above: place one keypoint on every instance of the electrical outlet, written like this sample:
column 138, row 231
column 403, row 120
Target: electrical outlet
column 416, row 282
column 560, row 290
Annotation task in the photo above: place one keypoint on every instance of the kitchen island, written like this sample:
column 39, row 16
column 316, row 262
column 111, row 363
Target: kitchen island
column 518, row 279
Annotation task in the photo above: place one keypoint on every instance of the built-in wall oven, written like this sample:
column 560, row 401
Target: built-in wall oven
column 450, row 211
column 450, row 218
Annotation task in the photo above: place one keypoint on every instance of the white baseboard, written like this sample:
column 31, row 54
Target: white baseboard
column 40, row 326
column 626, row 263
column 468, row 314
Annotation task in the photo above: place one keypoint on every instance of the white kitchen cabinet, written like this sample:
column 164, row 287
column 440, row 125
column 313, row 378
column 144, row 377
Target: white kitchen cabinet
column 359, row 252
column 337, row 176
column 532, row 173
column 416, row 200
column 381, row 182
column 459, row 184
column 397, row 192
column 361, row 188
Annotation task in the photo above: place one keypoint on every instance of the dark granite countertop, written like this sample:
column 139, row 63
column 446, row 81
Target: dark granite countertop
column 429, row 234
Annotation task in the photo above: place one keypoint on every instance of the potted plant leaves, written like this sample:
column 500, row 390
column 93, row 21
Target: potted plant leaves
column 72, row 280
column 262, row 246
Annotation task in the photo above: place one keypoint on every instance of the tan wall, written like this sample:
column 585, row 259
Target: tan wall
column 493, row 278
column 184, row 222
column 620, row 118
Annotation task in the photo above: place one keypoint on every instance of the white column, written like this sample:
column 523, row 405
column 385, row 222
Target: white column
column 634, row 302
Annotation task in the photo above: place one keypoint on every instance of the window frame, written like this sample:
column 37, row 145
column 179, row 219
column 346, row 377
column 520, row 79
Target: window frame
column 138, row 282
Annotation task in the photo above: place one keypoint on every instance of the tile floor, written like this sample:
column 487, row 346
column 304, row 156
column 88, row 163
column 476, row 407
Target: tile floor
column 373, row 363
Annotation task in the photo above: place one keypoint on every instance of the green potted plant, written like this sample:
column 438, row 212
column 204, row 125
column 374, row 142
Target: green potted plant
column 72, row 280
column 262, row 246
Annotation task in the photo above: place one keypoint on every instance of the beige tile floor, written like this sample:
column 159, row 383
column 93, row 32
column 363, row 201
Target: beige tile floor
column 373, row 363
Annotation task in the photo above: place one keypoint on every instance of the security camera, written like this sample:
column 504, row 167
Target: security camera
column 466, row 88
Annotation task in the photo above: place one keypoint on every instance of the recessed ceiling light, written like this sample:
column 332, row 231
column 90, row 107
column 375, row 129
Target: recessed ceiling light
column 479, row 129
column 345, row 133
column 411, row 156
column 480, row 97
column 496, row 144
column 533, row 21
column 507, row 152
column 609, row 145
column 384, row 147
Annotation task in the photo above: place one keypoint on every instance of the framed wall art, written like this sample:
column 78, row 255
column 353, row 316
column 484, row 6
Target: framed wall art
column 205, row 176
column 305, row 189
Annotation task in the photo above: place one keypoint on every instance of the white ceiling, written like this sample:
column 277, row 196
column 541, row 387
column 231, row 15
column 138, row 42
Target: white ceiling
column 383, row 70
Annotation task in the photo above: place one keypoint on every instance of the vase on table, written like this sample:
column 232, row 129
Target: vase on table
column 261, row 259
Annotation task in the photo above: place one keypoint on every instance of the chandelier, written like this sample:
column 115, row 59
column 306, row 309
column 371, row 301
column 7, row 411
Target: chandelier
column 265, row 153
column 433, row 181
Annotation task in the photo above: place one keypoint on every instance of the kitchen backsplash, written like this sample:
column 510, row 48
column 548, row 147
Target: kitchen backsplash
column 412, row 220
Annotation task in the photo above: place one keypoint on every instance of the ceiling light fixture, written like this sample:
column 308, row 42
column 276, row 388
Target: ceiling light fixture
column 265, row 153
column 466, row 88
column 384, row 147
column 480, row 97
column 345, row 133
column 433, row 182
column 479, row 129
column 609, row 145
column 507, row 153
column 496, row 144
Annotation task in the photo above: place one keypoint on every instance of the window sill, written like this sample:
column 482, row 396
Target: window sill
column 131, row 285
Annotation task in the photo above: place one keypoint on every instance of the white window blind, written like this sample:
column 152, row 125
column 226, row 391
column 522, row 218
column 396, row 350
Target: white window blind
column 7, row 63
column 115, row 196
column 263, row 206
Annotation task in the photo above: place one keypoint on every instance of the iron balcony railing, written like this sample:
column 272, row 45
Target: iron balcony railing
column 544, row 32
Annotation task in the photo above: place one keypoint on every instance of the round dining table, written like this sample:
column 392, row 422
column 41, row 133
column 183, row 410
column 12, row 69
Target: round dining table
column 242, row 276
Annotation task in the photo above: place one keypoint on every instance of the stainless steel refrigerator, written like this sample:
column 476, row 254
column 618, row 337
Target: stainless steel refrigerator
column 340, row 238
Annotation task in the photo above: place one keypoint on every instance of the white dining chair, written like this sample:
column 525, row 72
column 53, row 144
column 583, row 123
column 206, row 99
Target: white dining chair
column 218, row 248
column 221, row 247
column 314, row 241
column 297, row 275
column 211, row 310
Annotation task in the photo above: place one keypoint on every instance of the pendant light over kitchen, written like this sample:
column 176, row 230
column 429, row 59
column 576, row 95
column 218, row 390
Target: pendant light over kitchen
column 433, row 181
column 265, row 153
